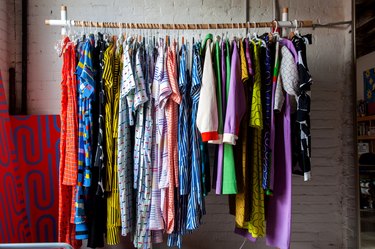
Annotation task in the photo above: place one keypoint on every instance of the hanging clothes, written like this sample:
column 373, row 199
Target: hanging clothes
column 142, row 238
column 184, row 168
column 220, row 154
column 68, row 145
column 136, row 126
column 279, row 205
column 195, row 200
column 303, row 136
column 228, row 154
column 85, row 73
column 156, row 218
column 98, row 202
column 125, row 155
column 234, row 112
column 207, row 118
column 113, row 205
column 267, row 157
column 171, row 111
column 257, row 217
column 240, row 203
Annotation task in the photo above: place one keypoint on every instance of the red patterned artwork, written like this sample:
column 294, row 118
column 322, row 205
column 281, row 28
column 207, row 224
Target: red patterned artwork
column 14, row 226
column 29, row 151
column 37, row 146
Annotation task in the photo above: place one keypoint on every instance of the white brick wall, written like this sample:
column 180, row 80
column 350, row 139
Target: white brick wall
column 4, row 33
column 10, row 43
column 323, row 209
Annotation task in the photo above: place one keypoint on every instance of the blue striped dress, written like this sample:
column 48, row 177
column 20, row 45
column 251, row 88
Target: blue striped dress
column 195, row 201
column 184, row 166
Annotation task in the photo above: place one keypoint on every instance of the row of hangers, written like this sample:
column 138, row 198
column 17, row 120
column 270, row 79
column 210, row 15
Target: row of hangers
column 151, row 37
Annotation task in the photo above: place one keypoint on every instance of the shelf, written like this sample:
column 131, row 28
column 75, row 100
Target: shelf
column 365, row 118
column 367, row 210
column 372, row 137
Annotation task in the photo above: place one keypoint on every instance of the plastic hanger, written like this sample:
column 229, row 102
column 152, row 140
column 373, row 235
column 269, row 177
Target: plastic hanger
column 275, row 34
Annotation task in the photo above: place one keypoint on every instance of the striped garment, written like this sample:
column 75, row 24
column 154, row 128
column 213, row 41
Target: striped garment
column 125, row 155
column 86, row 87
column 171, row 112
column 156, row 219
column 175, row 239
column 183, row 128
column 195, row 201
column 113, row 209
column 164, row 93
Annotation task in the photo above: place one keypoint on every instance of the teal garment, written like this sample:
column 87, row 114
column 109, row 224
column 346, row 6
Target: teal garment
column 229, row 185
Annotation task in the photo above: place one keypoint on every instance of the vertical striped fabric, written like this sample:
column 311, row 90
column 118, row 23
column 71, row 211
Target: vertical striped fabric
column 175, row 239
column 163, row 161
column 156, row 219
column 195, row 201
column 113, row 209
column 171, row 111
column 183, row 128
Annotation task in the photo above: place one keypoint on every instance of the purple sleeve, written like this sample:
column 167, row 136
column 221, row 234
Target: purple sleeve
column 236, row 106
column 290, row 46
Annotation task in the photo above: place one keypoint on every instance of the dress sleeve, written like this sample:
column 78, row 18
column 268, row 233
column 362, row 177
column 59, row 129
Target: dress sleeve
column 236, row 106
column 207, row 116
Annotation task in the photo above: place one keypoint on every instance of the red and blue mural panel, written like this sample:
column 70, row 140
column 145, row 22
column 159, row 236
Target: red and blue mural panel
column 37, row 146
column 14, row 226
column 29, row 159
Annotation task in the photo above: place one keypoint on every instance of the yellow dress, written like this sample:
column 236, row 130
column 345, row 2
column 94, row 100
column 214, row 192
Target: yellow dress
column 242, row 202
column 256, row 225
column 111, row 89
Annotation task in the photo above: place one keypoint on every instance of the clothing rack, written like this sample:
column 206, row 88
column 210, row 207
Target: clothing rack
column 63, row 22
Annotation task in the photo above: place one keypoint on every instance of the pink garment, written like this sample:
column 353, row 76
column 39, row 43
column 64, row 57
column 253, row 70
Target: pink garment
column 171, row 112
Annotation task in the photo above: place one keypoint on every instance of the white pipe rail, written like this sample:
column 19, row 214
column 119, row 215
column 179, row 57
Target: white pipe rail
column 48, row 245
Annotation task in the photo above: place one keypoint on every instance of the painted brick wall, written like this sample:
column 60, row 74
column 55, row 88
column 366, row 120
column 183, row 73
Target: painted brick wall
column 323, row 209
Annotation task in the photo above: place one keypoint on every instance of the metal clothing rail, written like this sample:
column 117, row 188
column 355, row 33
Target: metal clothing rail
column 49, row 245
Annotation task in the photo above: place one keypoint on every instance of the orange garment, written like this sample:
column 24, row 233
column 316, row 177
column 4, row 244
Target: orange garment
column 68, row 146
column 171, row 111
column 70, row 110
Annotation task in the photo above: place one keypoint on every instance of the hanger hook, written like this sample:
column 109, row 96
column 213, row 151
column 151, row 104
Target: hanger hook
column 276, row 25
column 296, row 25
